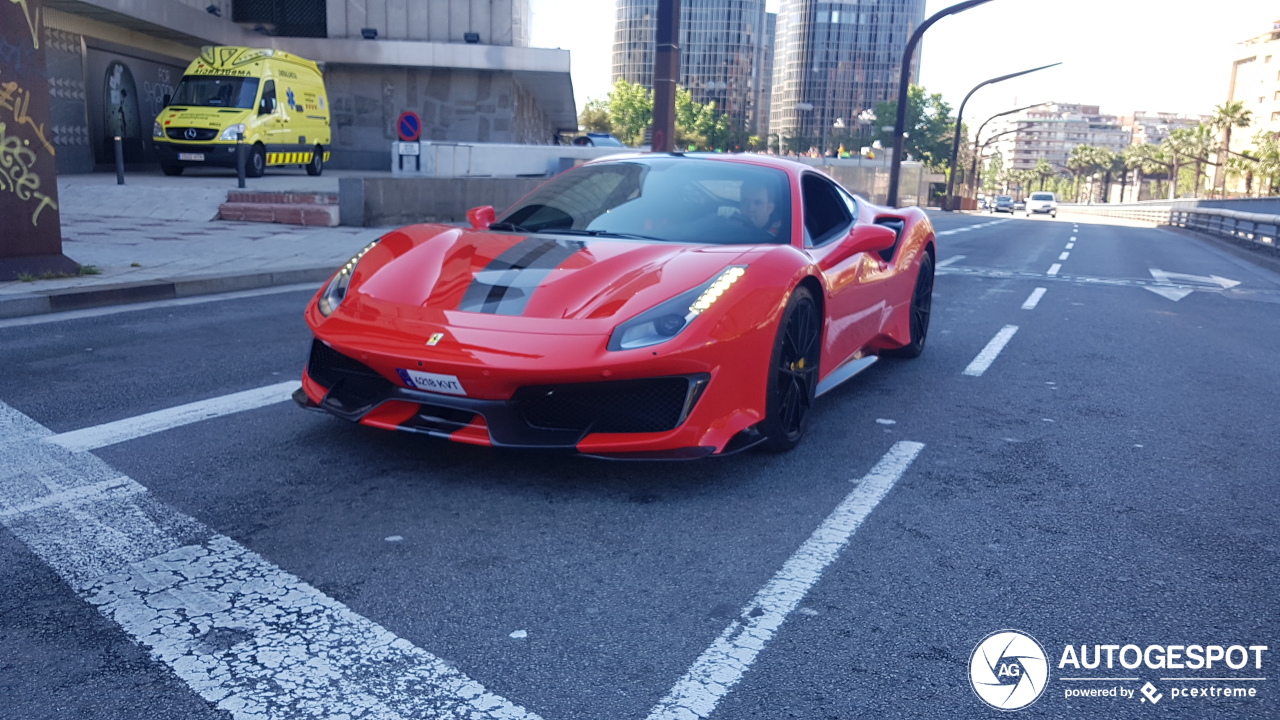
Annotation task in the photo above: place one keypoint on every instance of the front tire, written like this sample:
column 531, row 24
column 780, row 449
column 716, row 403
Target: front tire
column 171, row 169
column 793, row 373
column 256, row 164
column 921, row 307
column 316, row 166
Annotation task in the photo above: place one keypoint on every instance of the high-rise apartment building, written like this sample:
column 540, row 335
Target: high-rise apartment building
column 764, row 98
column 1052, row 131
column 835, row 60
column 1255, row 81
column 1151, row 128
column 721, row 51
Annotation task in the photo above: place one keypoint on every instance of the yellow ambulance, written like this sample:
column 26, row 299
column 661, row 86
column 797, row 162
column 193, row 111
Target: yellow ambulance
column 275, row 99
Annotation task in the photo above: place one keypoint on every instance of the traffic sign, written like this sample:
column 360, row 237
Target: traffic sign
column 409, row 126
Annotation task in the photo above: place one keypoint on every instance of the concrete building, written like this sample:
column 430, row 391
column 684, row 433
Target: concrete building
column 1052, row 131
column 462, row 65
column 1255, row 81
column 1153, row 127
column 722, row 44
column 835, row 60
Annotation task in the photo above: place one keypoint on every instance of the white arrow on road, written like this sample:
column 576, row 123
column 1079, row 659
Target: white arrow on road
column 1173, row 285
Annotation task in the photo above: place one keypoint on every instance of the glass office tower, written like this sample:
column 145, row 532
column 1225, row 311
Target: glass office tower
column 833, row 62
column 721, row 52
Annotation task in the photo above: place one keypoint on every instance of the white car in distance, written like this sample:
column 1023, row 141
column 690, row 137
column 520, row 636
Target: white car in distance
column 1042, row 202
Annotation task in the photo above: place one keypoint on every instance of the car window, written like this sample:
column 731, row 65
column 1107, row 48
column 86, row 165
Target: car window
column 215, row 91
column 826, row 211
column 1041, row 196
column 672, row 199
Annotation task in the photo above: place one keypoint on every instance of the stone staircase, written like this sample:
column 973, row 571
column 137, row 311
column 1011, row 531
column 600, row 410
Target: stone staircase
column 293, row 208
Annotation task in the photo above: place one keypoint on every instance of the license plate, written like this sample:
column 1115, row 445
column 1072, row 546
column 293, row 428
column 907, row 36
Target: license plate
column 432, row 382
column 408, row 148
column 191, row 156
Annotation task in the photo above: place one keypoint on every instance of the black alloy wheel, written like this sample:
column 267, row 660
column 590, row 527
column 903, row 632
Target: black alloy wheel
column 316, row 166
column 793, row 372
column 921, row 304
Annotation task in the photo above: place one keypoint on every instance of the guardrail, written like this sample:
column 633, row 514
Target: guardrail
column 1257, row 229
column 1260, row 230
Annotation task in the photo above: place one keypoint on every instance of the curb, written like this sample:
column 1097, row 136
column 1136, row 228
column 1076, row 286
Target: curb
column 1248, row 253
column 63, row 300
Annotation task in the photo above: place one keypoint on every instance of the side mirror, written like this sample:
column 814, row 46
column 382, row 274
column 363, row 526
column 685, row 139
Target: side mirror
column 167, row 98
column 871, row 238
column 481, row 217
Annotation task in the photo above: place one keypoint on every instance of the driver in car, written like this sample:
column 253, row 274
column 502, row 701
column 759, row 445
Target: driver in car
column 756, row 205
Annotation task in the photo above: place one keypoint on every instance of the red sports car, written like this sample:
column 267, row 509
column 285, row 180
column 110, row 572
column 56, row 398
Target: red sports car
column 640, row 306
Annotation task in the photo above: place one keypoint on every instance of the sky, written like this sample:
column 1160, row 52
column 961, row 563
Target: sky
column 1124, row 55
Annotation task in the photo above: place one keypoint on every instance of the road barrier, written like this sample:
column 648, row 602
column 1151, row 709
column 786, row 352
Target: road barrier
column 1260, row 230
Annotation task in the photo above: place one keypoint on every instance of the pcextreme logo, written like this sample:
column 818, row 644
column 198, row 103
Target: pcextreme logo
column 1008, row 670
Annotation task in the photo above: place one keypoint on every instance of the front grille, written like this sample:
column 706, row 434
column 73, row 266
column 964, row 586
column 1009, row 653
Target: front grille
column 352, row 385
column 200, row 134
column 621, row 406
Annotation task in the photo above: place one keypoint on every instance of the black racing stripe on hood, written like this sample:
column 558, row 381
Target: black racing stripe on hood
column 504, row 286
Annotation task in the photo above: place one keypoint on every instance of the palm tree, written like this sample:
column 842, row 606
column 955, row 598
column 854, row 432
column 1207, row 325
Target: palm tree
column 1147, row 159
column 1081, row 162
column 1226, row 116
column 1043, row 170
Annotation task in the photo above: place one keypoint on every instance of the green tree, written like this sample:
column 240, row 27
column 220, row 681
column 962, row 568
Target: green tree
column 630, row 111
column 930, row 127
column 1226, row 117
column 1043, row 170
column 595, row 117
column 993, row 176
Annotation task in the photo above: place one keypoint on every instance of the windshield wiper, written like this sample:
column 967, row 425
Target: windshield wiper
column 599, row 233
column 509, row 227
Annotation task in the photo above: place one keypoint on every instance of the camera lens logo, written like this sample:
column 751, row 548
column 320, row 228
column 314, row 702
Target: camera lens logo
column 1008, row 670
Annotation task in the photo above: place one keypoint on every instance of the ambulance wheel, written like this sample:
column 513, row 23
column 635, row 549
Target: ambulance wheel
column 256, row 164
column 170, row 170
column 316, row 166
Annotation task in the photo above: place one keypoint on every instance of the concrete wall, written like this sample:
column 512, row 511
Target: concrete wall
column 498, row 22
column 383, row 201
column 494, row 159
column 455, row 105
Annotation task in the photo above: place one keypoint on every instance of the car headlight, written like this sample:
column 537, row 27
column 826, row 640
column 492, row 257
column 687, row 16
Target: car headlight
column 666, row 320
column 336, row 290
column 156, row 130
column 231, row 132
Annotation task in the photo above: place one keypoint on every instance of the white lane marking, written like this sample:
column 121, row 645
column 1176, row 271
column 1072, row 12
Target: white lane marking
column 1064, row 256
column 1054, row 268
column 244, row 634
column 1073, row 239
column 989, row 353
column 1070, row 245
column 1033, row 299
column 723, row 664
column 175, row 302
column 952, row 259
column 92, row 438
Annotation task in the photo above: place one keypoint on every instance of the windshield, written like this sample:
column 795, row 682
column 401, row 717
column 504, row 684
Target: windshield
column 1042, row 196
column 216, row 91
column 1005, row 198
column 672, row 199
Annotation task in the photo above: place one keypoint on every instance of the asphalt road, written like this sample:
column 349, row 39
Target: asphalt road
column 1108, row 477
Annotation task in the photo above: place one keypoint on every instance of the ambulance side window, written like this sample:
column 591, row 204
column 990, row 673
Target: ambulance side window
column 268, row 103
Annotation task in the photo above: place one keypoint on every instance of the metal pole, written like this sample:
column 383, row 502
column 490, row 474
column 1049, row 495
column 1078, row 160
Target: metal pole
column 904, row 80
column 666, row 70
column 119, row 160
column 955, row 139
column 973, row 168
column 240, row 160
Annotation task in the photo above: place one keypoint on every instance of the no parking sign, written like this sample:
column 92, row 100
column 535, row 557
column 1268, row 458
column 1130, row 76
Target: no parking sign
column 409, row 126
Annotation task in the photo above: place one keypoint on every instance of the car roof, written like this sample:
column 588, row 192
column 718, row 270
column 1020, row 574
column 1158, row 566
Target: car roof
column 789, row 166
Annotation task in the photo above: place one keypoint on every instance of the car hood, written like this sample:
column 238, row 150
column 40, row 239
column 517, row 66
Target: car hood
column 209, row 117
column 472, row 274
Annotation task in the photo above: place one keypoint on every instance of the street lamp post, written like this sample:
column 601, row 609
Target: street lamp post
column 973, row 168
column 904, row 80
column 955, row 140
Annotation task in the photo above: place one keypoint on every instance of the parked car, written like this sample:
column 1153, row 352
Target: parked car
column 640, row 306
column 1003, row 203
column 597, row 140
column 1019, row 205
column 1042, row 203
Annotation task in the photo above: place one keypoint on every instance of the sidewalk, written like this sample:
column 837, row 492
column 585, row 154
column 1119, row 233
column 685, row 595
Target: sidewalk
column 154, row 238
